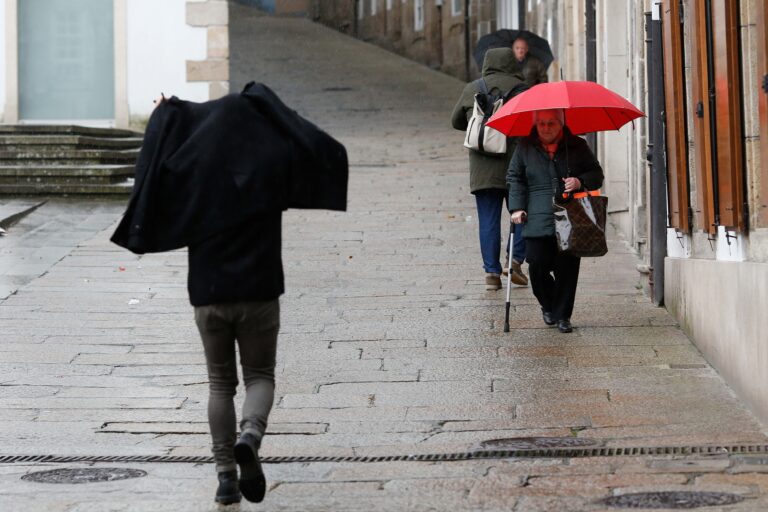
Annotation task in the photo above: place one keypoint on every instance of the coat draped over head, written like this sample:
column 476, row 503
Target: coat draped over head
column 501, row 74
column 207, row 167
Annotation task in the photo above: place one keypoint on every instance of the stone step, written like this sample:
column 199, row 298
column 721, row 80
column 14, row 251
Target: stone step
column 34, row 129
column 88, row 174
column 123, row 188
column 25, row 143
column 67, row 157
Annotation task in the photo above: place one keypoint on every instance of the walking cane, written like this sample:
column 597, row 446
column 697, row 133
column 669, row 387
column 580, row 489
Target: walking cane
column 509, row 274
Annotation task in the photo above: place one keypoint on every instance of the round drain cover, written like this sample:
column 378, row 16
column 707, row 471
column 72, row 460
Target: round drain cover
column 537, row 443
column 672, row 499
column 83, row 475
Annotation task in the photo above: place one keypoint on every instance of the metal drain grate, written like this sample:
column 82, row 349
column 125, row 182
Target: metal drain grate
column 83, row 475
column 535, row 443
column 559, row 453
column 672, row 499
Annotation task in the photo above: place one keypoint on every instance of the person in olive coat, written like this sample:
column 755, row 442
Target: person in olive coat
column 549, row 162
column 487, row 173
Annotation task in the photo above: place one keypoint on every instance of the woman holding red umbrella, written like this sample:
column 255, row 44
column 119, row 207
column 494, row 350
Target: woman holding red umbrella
column 549, row 162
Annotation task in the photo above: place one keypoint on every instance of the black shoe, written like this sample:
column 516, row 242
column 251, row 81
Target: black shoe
column 228, row 491
column 564, row 326
column 252, row 482
column 548, row 318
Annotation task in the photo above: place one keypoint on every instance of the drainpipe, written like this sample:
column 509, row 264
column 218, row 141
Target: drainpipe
column 466, row 40
column 655, row 155
column 591, row 47
column 712, row 110
column 521, row 14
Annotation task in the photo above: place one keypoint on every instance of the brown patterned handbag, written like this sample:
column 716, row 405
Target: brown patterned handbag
column 580, row 224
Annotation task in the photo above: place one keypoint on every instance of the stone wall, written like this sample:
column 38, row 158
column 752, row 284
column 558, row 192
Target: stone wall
column 214, row 69
column 439, row 43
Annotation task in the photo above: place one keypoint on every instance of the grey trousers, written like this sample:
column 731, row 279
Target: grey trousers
column 254, row 326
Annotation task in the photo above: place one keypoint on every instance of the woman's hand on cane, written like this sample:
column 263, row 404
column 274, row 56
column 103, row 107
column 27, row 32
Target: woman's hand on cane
column 518, row 217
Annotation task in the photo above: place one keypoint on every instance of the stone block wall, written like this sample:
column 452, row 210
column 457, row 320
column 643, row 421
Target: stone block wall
column 213, row 15
column 439, row 44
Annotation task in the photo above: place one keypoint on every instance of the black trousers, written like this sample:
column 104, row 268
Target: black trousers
column 554, row 276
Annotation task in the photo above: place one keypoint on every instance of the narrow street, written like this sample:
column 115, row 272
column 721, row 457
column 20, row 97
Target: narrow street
column 389, row 345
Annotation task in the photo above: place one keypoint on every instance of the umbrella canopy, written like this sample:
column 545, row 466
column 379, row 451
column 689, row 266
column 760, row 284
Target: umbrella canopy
column 589, row 107
column 537, row 46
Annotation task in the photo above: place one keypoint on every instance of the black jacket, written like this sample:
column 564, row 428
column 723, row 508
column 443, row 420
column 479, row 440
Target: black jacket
column 531, row 184
column 216, row 176
column 207, row 167
column 242, row 263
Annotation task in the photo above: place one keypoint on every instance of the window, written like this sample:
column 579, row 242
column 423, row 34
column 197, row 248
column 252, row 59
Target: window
column 483, row 28
column 508, row 14
column 456, row 7
column 418, row 15
column 360, row 6
column 389, row 5
column 373, row 7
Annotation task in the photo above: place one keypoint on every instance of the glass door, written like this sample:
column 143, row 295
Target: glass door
column 66, row 60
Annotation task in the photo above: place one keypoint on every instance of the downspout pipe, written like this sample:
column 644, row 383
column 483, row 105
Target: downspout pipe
column 656, row 150
column 466, row 40
column 591, row 57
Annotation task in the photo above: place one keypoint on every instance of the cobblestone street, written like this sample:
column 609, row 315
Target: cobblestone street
column 389, row 343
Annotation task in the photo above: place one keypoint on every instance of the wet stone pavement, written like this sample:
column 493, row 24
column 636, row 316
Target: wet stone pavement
column 389, row 343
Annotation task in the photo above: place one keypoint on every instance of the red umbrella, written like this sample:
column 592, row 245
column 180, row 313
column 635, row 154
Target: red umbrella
column 589, row 107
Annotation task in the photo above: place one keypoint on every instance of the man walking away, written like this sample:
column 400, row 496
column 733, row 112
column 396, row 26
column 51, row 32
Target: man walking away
column 215, row 177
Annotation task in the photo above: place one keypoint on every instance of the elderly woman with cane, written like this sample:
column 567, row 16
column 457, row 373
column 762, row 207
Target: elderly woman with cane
column 548, row 163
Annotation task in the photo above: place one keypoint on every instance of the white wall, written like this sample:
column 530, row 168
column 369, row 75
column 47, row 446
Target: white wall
column 159, row 44
column 2, row 57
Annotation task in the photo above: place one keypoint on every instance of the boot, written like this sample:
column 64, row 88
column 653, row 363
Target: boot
column 253, row 485
column 492, row 281
column 228, row 491
column 518, row 277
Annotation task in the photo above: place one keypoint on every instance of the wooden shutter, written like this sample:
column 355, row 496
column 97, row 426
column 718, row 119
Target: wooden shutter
column 674, row 91
column 702, row 132
column 730, row 154
column 762, row 73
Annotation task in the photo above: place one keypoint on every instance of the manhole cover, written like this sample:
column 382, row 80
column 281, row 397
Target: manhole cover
column 83, row 475
column 672, row 499
column 537, row 443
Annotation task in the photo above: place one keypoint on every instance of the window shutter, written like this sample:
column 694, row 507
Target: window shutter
column 674, row 89
column 730, row 154
column 702, row 131
column 762, row 73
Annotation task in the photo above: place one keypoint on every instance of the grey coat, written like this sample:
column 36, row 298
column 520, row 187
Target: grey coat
column 534, row 179
column 488, row 171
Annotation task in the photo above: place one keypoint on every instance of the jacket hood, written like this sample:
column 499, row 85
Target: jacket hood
column 499, row 60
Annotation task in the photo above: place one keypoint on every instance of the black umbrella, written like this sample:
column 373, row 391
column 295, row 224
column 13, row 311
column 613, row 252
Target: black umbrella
column 537, row 46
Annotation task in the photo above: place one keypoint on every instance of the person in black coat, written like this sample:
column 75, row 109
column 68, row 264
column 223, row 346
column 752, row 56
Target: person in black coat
column 549, row 162
column 215, row 177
